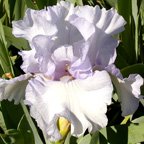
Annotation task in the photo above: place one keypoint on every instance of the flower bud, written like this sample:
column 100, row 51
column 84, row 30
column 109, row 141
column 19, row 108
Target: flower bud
column 63, row 126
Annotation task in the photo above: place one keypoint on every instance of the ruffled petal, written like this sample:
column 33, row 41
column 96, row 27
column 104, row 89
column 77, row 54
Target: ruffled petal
column 87, row 12
column 86, row 28
column 60, row 11
column 54, row 60
column 81, row 68
column 102, row 51
column 82, row 102
column 14, row 89
column 72, row 60
column 51, row 21
column 63, row 53
column 103, row 25
column 43, row 46
column 112, row 69
column 62, row 58
column 109, row 21
column 67, row 33
column 33, row 24
column 30, row 63
column 129, row 92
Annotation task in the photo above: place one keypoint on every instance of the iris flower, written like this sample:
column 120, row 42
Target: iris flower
column 70, row 68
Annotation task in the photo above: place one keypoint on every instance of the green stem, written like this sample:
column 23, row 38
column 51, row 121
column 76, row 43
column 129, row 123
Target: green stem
column 60, row 142
column 126, row 119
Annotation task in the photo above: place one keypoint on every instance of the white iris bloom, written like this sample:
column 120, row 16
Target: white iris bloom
column 66, row 69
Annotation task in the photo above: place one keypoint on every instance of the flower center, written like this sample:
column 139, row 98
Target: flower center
column 67, row 76
column 67, row 67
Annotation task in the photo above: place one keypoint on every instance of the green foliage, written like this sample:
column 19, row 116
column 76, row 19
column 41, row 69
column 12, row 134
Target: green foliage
column 125, row 8
column 19, row 9
column 126, row 134
column 5, row 61
column 11, row 113
column 19, row 43
column 43, row 3
column 118, row 134
column 131, row 38
column 136, row 68
column 32, row 126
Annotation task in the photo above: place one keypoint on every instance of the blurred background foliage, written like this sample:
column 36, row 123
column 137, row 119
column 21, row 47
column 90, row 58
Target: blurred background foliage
column 16, row 125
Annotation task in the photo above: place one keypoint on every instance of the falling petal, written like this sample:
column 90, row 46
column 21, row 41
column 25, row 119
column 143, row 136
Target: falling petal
column 14, row 89
column 129, row 92
column 82, row 102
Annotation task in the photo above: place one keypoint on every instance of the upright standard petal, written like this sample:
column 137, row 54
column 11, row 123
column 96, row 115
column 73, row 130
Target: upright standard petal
column 82, row 102
column 128, row 90
column 72, row 60
column 109, row 21
column 63, row 22
column 57, row 61
column 14, row 89
column 33, row 24
column 86, row 28
column 49, row 22
column 30, row 63
column 44, row 46
column 103, row 25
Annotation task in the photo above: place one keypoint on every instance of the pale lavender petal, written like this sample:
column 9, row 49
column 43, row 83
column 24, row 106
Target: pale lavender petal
column 107, row 20
column 30, row 63
column 86, row 28
column 55, row 60
column 33, row 24
column 82, row 102
column 103, row 49
column 112, row 69
column 128, row 91
column 83, row 70
column 68, row 62
column 62, row 58
column 72, row 60
column 88, row 13
column 106, row 24
column 14, row 89
column 67, row 33
column 43, row 46
column 51, row 21
column 111, row 22
column 82, row 67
